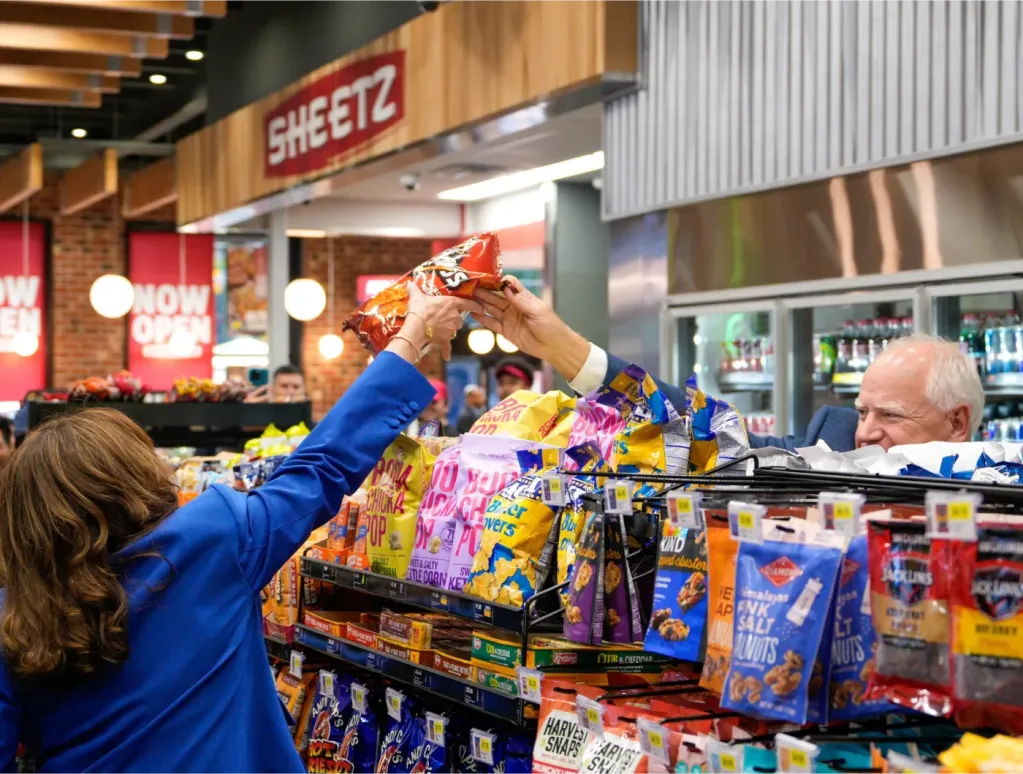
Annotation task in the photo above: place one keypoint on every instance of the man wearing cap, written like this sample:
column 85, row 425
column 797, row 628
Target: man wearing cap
column 513, row 374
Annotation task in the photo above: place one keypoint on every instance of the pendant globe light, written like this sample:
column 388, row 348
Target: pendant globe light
column 182, row 343
column 24, row 343
column 331, row 345
column 304, row 299
column 481, row 341
column 112, row 295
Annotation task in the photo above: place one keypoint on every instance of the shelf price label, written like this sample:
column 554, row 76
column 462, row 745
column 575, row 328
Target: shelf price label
column 952, row 515
column 745, row 520
column 530, row 682
column 724, row 757
column 359, row 698
column 295, row 664
column 684, row 509
column 482, row 743
column 590, row 714
column 436, row 728
column 841, row 512
column 795, row 756
column 326, row 682
column 553, row 488
column 653, row 740
column 394, row 700
column 618, row 497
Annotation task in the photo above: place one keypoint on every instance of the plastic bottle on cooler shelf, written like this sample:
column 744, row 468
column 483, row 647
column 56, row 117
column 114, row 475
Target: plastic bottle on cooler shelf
column 767, row 354
column 844, row 350
column 727, row 359
column 992, row 344
column 879, row 334
column 861, row 346
column 971, row 340
column 1013, row 338
column 826, row 352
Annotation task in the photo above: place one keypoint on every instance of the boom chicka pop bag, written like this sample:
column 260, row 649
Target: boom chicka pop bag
column 458, row 271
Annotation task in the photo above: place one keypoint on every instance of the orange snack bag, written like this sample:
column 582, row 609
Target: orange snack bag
column 457, row 271
column 722, row 551
column 560, row 740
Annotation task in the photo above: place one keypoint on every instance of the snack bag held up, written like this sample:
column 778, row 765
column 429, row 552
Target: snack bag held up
column 584, row 615
column 784, row 593
column 529, row 416
column 678, row 621
column 393, row 492
column 457, row 271
column 438, row 521
column 519, row 534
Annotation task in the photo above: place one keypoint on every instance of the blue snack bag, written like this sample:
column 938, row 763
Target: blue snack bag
column 678, row 623
column 327, row 723
column 518, row 754
column 424, row 756
column 853, row 644
column 360, row 747
column 395, row 744
column 783, row 595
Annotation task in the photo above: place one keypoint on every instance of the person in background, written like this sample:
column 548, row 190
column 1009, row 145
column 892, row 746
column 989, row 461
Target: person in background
column 287, row 386
column 7, row 442
column 920, row 389
column 437, row 411
column 513, row 374
column 131, row 629
column 475, row 406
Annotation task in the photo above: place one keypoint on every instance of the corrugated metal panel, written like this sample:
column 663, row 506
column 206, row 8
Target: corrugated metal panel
column 742, row 95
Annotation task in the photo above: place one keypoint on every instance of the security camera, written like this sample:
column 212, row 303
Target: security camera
column 426, row 6
column 410, row 182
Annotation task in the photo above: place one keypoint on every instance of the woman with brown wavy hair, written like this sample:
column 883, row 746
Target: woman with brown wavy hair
column 131, row 629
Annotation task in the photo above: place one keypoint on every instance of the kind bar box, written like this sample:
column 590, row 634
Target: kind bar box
column 406, row 630
column 496, row 649
column 553, row 652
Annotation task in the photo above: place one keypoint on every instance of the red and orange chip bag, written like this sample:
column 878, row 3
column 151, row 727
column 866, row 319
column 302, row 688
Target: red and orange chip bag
column 457, row 271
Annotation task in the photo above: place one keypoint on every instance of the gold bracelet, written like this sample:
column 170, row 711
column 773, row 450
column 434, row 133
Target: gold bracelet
column 426, row 324
column 407, row 340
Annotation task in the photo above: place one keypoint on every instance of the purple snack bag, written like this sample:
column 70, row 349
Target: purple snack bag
column 584, row 616
column 617, row 613
column 437, row 524
column 595, row 424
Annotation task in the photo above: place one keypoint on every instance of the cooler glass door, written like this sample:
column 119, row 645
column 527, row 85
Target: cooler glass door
column 985, row 318
column 834, row 338
column 730, row 349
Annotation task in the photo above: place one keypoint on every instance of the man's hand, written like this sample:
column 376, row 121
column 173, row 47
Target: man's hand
column 532, row 326
column 259, row 395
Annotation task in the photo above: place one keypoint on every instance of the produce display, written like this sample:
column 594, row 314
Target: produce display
column 121, row 386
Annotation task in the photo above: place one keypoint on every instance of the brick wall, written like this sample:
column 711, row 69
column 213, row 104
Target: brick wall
column 85, row 246
column 353, row 256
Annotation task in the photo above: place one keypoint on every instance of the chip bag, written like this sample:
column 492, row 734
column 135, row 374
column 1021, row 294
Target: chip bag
column 424, row 756
column 678, row 622
column 617, row 749
column 360, row 747
column 560, row 740
column 596, row 424
column 396, row 741
column 530, row 416
column 584, row 615
column 393, row 492
column 293, row 692
column 437, row 525
column 718, row 432
column 617, row 607
column 327, row 723
column 519, row 535
column 458, row 271
column 586, row 459
column 722, row 549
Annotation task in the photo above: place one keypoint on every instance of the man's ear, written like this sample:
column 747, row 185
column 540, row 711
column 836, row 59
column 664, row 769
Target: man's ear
column 960, row 419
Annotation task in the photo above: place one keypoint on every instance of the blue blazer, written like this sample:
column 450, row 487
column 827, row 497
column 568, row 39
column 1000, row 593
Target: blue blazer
column 196, row 694
column 834, row 425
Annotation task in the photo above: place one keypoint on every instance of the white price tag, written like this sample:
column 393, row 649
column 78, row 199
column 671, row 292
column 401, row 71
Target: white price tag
column 359, row 698
column 795, row 756
column 725, row 758
column 482, row 743
column 295, row 664
column 841, row 512
column 653, row 740
column 618, row 497
column 326, row 682
column 393, row 700
column 553, row 487
column 745, row 520
column 590, row 714
column 530, row 681
column 684, row 509
column 436, row 727
column 952, row 515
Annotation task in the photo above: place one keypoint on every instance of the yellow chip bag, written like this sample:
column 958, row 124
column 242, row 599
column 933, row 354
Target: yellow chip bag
column 519, row 531
column 718, row 432
column 531, row 417
column 393, row 492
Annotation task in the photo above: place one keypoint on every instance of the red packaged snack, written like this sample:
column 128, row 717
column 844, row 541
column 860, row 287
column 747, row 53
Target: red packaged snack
column 909, row 606
column 560, row 740
column 987, row 628
column 457, row 271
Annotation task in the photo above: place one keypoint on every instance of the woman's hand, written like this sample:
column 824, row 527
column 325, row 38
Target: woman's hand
column 432, row 320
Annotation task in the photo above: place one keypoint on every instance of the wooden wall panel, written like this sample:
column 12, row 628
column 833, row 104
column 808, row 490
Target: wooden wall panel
column 467, row 62
column 90, row 182
column 150, row 188
column 21, row 176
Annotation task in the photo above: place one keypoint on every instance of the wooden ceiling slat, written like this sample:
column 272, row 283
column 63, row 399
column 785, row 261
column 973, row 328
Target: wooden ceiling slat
column 36, row 38
column 64, row 97
column 36, row 78
column 100, row 20
column 78, row 63
column 150, row 188
column 89, row 183
column 21, row 177
column 216, row 8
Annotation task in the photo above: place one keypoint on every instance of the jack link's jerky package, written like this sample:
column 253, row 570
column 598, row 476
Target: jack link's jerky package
column 987, row 628
column 784, row 593
column 584, row 615
column 438, row 521
column 718, row 434
column 519, row 534
column 909, row 606
column 458, row 271
column 853, row 641
column 529, row 416
column 678, row 622
column 393, row 492
column 585, row 459
column 490, row 465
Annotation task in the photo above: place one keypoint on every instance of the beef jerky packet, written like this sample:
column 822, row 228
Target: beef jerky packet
column 987, row 630
column 678, row 622
column 584, row 615
column 909, row 607
column 784, row 593
column 458, row 271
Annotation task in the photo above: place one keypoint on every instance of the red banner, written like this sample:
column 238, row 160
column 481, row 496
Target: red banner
column 334, row 115
column 170, row 313
column 22, row 309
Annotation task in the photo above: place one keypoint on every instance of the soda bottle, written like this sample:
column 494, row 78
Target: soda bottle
column 878, row 338
column 844, row 351
column 767, row 354
column 861, row 346
column 993, row 341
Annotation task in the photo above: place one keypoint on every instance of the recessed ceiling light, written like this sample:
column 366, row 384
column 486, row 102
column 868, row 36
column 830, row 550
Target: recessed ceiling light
column 194, row 56
column 80, row 134
column 158, row 78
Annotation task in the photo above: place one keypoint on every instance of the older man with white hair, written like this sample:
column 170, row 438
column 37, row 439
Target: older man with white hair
column 920, row 389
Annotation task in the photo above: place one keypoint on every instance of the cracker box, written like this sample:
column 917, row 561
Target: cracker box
column 402, row 653
column 496, row 649
column 554, row 652
column 329, row 622
column 406, row 630
column 360, row 634
column 450, row 664
column 497, row 681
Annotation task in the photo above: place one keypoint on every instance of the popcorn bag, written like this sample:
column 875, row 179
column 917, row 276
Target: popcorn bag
column 530, row 416
column 437, row 526
column 457, row 271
